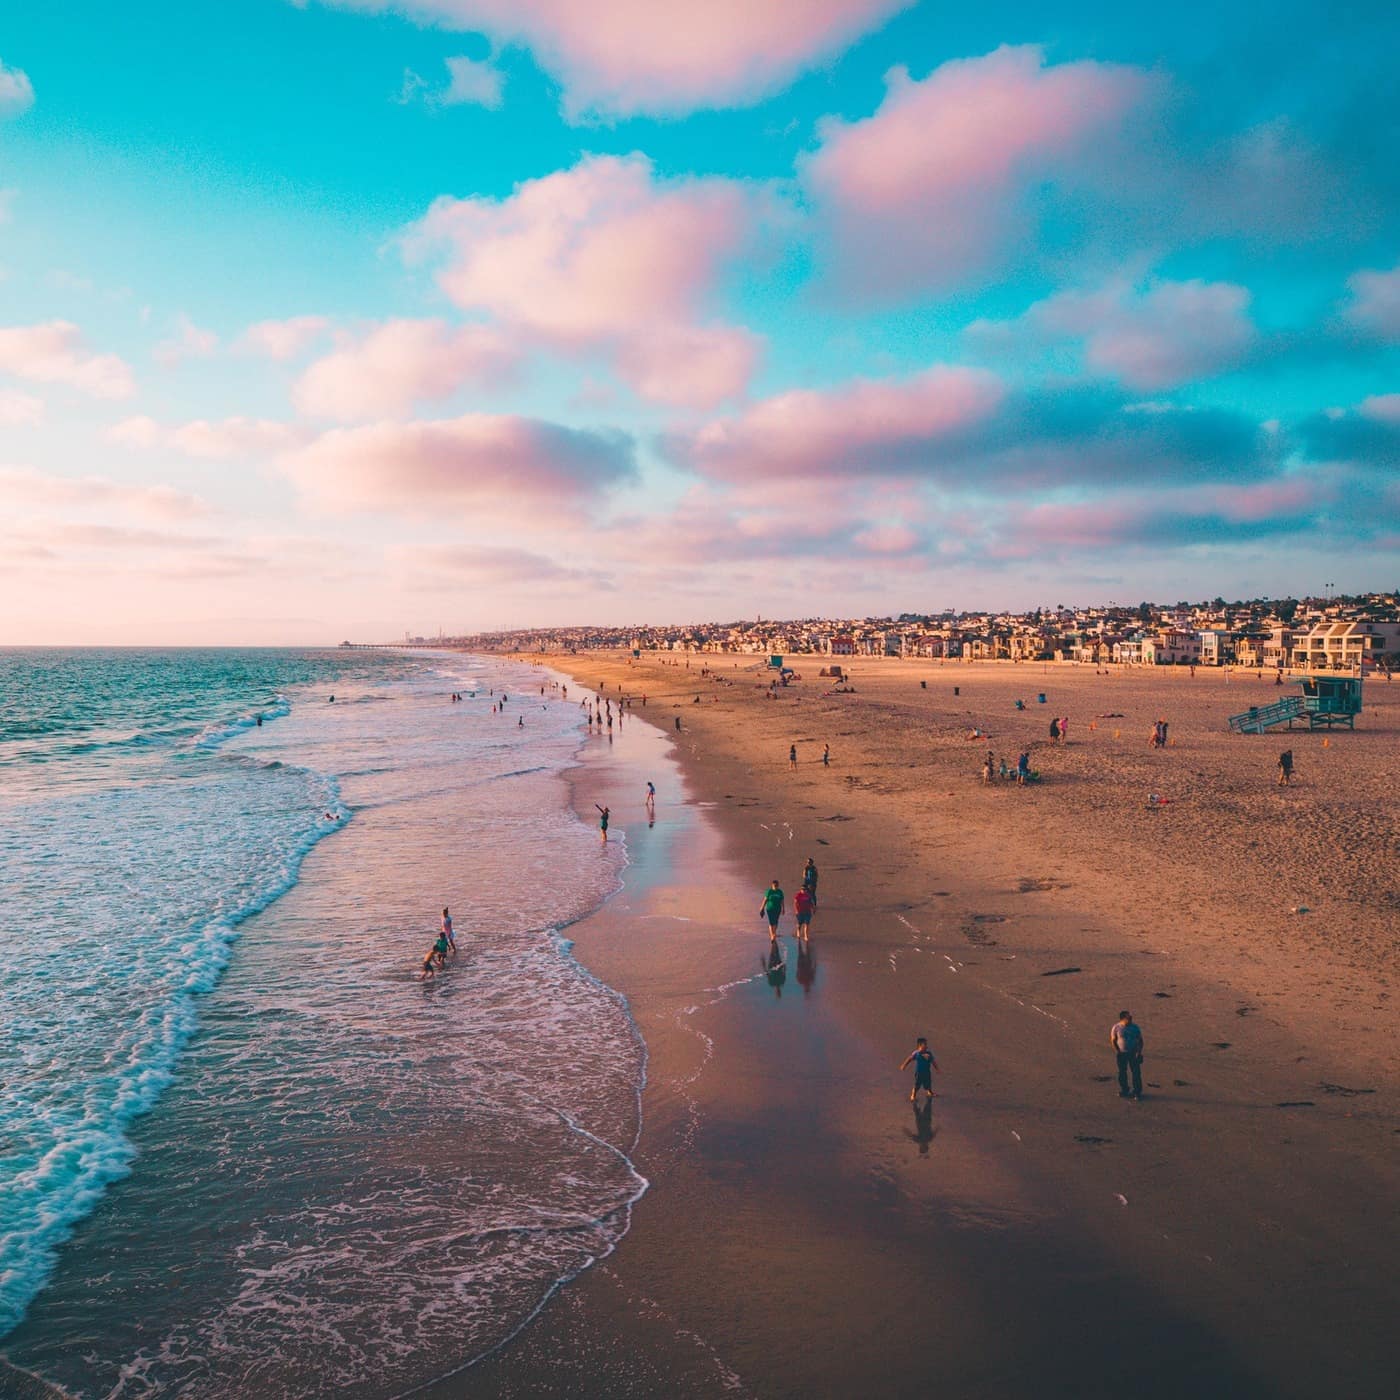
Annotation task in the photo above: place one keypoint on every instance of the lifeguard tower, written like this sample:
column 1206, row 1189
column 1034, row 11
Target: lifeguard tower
column 1326, row 702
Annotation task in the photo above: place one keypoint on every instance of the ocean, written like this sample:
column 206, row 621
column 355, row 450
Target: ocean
column 244, row 1150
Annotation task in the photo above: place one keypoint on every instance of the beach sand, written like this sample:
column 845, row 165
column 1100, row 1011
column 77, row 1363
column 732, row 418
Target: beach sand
column 806, row 1232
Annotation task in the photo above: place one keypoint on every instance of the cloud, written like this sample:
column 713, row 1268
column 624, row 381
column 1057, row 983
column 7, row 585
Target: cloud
column 959, row 427
column 16, row 92
column 698, row 366
column 880, row 426
column 1375, row 303
column 660, row 57
column 472, row 463
column 1366, row 436
column 190, row 342
column 490, row 566
column 19, row 410
column 217, row 439
column 56, row 353
column 24, row 487
column 931, row 190
column 283, row 340
column 603, row 255
column 400, row 363
column 1148, row 338
column 473, row 82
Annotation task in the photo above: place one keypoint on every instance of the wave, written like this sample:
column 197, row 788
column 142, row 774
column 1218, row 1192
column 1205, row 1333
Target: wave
column 82, row 1153
column 212, row 735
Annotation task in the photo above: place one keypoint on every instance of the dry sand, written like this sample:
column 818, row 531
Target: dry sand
column 807, row 1233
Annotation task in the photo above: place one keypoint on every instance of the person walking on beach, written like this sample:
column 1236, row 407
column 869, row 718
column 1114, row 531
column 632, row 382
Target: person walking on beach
column 774, row 903
column 792, row 755
column 1064, row 728
column 1285, row 768
column 826, row 754
column 924, row 1065
column 1055, row 731
column 651, row 797
column 447, row 930
column 803, row 904
column 1126, row 1039
column 604, row 818
column 809, row 879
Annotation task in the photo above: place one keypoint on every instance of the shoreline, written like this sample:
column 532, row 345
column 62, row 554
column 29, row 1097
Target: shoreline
column 1037, row 1168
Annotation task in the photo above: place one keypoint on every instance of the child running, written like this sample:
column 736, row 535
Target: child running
column 924, row 1065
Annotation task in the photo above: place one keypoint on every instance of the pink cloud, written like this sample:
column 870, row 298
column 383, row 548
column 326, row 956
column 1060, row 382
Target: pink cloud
column 697, row 366
column 215, row 439
column 285, row 339
column 16, row 92
column 929, row 190
column 865, row 427
column 24, row 487
column 189, row 342
column 1382, row 408
column 400, row 363
column 603, row 256
column 489, row 566
column 475, row 462
column 662, row 57
column 56, row 353
column 1375, row 304
column 1152, row 338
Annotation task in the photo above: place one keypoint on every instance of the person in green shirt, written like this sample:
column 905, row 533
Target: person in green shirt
column 774, row 902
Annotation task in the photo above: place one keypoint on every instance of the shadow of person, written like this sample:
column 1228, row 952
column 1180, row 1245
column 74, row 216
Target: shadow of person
column 806, row 968
column 775, row 967
column 924, row 1131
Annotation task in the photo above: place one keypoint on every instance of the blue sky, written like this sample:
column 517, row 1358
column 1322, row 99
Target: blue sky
column 357, row 317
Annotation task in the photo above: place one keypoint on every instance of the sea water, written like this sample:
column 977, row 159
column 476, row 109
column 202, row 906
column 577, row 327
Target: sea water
column 243, row 1148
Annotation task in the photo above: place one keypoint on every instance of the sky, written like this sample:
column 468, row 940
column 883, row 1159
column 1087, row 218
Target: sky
column 327, row 319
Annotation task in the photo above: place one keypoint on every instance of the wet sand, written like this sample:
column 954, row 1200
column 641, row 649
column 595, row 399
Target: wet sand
column 806, row 1232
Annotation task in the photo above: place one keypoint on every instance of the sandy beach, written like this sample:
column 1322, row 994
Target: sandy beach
column 806, row 1232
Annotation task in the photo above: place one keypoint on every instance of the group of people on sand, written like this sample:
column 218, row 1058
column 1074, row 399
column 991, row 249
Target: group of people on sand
column 804, row 904
column 1021, row 772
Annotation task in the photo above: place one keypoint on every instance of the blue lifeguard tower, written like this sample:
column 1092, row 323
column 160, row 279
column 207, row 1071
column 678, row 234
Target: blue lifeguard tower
column 1326, row 702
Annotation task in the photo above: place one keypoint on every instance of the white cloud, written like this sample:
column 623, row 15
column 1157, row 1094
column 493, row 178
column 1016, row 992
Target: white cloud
column 283, row 340
column 16, row 92
column 216, row 439
column 19, row 410
column 190, row 342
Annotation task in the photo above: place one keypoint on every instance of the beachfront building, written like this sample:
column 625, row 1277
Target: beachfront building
column 1172, row 647
column 1277, row 650
column 1345, row 646
column 1217, row 646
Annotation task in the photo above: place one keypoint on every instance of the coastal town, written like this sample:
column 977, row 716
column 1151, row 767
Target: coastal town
column 1358, row 635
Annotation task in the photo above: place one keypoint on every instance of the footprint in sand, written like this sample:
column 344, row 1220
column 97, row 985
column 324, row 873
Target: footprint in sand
column 1221, row 1044
column 1091, row 1141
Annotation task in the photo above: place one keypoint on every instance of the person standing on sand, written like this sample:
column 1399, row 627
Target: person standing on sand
column 1126, row 1039
column 1285, row 768
column 826, row 754
column 1023, row 767
column 803, row 904
column 603, row 820
column 1055, row 731
column 989, row 768
column 809, row 879
column 1064, row 728
column 774, row 902
column 792, row 755
column 678, row 723
column 924, row 1066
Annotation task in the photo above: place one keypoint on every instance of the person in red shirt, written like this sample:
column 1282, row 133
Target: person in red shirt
column 803, row 904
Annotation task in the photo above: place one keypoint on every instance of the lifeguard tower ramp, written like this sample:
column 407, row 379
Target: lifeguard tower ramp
column 1326, row 702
